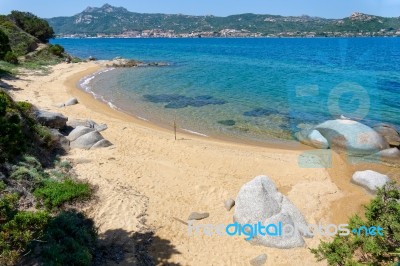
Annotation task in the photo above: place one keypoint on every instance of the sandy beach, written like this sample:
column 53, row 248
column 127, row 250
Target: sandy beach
column 148, row 182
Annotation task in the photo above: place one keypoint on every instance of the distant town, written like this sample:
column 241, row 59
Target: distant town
column 230, row 33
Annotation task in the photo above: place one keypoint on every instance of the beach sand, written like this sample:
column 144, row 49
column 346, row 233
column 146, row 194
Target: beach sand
column 148, row 182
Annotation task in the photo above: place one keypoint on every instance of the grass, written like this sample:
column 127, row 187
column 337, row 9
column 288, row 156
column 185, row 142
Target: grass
column 54, row 194
column 17, row 228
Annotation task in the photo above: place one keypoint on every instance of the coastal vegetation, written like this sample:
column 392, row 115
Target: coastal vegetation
column 365, row 249
column 35, row 186
column 39, row 193
column 24, row 41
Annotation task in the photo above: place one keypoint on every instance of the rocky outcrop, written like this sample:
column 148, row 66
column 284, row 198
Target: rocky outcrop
column 78, row 132
column 351, row 136
column 87, row 138
column 370, row 180
column 121, row 62
column 260, row 201
column 62, row 141
column 389, row 133
column 87, row 123
column 50, row 119
column 312, row 138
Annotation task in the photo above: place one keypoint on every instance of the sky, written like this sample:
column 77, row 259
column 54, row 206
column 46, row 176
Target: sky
column 321, row 8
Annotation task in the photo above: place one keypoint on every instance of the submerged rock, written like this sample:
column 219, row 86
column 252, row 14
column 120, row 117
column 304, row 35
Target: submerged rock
column 258, row 112
column 228, row 123
column 260, row 201
column 175, row 101
column 352, row 136
column 50, row 119
column 370, row 180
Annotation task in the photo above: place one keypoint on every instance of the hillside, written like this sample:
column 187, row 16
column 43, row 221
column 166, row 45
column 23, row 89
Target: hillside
column 109, row 20
column 24, row 43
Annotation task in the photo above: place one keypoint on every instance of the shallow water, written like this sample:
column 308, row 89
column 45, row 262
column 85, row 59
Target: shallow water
column 253, row 89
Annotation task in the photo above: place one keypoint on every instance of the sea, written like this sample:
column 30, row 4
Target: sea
column 248, row 89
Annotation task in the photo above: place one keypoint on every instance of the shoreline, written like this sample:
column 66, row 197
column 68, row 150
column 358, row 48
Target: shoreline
column 185, row 132
column 146, row 180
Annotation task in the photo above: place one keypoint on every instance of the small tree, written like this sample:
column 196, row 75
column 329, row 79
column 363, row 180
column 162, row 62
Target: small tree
column 11, row 58
column 354, row 249
column 4, row 44
column 56, row 49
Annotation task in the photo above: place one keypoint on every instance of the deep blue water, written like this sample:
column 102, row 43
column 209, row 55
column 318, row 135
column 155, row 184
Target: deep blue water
column 264, row 87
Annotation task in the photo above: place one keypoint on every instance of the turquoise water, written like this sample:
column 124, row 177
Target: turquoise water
column 253, row 89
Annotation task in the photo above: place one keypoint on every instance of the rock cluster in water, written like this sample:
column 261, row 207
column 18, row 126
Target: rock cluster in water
column 357, row 139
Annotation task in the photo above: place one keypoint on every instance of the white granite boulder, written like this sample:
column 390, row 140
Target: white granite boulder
column 87, row 138
column 260, row 201
column 312, row 138
column 50, row 119
column 79, row 131
column 87, row 123
column 352, row 136
column 70, row 102
column 370, row 180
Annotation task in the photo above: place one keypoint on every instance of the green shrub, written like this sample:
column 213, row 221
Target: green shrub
column 18, row 232
column 56, row 49
column 4, row 44
column 11, row 58
column 383, row 211
column 70, row 239
column 54, row 194
column 44, row 135
column 12, row 140
column 8, row 204
column 2, row 185
column 25, row 107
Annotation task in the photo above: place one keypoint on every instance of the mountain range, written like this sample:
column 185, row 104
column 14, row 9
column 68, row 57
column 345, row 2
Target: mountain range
column 111, row 21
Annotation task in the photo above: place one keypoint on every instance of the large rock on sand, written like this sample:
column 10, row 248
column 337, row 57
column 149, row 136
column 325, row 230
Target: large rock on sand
column 352, row 136
column 370, row 180
column 389, row 133
column 79, row 131
column 312, row 138
column 63, row 142
column 87, row 138
column 50, row 119
column 87, row 123
column 260, row 201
